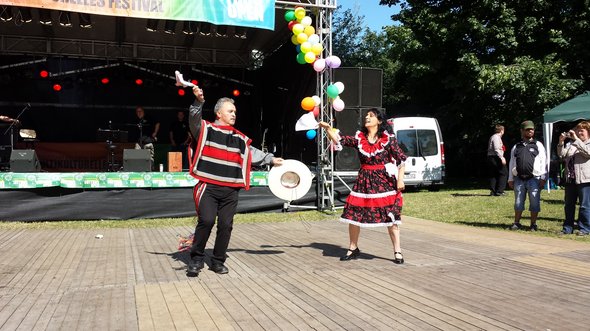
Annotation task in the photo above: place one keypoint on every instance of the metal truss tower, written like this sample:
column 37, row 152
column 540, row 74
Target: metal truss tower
column 325, row 159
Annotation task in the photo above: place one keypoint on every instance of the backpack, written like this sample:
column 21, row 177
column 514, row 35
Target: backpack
column 525, row 153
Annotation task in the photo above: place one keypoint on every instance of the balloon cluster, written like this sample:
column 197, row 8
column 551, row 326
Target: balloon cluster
column 309, row 50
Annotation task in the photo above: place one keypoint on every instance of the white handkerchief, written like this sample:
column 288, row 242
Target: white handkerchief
column 180, row 81
column 306, row 122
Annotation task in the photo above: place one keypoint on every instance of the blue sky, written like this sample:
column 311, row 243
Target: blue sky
column 376, row 16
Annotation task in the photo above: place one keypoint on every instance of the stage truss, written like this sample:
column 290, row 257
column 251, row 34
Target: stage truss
column 325, row 157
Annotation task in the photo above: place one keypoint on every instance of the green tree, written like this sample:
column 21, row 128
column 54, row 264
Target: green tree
column 487, row 62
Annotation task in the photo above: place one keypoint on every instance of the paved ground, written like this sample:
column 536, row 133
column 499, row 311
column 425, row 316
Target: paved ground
column 287, row 276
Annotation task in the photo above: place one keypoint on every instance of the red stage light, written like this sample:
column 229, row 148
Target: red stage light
column 194, row 81
column 56, row 87
column 138, row 81
column 180, row 92
column 236, row 93
column 105, row 80
column 44, row 74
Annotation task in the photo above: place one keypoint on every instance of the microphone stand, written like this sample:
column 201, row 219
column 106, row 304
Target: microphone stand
column 11, row 127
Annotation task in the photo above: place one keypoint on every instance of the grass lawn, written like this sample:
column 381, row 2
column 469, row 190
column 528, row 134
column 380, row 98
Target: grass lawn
column 458, row 202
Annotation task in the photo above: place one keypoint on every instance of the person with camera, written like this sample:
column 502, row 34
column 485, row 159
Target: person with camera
column 527, row 175
column 578, row 171
column 566, row 151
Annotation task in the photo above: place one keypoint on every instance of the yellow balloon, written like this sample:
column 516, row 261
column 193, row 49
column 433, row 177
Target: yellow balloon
column 306, row 47
column 309, row 57
column 294, row 40
column 298, row 28
column 301, row 38
column 316, row 49
column 299, row 13
column 309, row 30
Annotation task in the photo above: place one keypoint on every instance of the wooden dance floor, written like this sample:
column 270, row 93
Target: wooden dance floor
column 287, row 276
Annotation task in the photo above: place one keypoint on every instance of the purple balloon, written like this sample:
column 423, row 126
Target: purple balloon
column 335, row 62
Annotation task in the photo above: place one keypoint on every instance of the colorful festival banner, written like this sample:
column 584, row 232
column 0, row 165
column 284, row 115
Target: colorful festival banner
column 248, row 13
column 99, row 180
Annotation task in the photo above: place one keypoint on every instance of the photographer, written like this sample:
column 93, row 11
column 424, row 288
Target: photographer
column 579, row 171
column 566, row 151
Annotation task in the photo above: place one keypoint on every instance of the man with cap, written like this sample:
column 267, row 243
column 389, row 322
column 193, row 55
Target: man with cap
column 527, row 175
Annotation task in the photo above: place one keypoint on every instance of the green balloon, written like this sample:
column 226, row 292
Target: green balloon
column 289, row 16
column 301, row 60
column 332, row 91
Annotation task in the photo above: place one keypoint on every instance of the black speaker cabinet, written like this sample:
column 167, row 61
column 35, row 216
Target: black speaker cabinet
column 24, row 160
column 363, row 87
column 348, row 122
column 136, row 160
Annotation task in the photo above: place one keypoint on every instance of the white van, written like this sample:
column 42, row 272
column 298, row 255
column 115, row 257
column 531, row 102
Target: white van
column 420, row 138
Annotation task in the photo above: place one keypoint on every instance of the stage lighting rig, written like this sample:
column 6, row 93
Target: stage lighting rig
column 5, row 13
column 45, row 16
column 65, row 19
column 85, row 21
column 152, row 25
column 169, row 26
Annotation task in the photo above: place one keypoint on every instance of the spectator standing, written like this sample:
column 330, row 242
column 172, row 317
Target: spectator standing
column 581, row 165
column 528, row 173
column 565, row 151
column 496, row 162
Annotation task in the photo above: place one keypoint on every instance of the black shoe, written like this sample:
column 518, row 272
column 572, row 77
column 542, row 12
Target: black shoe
column 534, row 227
column 353, row 255
column 219, row 268
column 398, row 258
column 194, row 267
column 500, row 194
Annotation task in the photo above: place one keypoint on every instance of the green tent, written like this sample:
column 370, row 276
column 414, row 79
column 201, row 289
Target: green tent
column 572, row 110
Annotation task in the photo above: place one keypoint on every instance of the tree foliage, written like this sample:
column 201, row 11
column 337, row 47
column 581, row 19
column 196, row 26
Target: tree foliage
column 485, row 62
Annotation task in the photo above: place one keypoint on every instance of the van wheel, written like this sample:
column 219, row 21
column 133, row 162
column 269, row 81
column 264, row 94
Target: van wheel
column 434, row 188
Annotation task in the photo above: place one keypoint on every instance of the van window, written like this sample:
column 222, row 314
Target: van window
column 418, row 143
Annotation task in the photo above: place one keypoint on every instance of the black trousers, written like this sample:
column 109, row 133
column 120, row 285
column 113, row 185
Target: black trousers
column 498, row 174
column 213, row 201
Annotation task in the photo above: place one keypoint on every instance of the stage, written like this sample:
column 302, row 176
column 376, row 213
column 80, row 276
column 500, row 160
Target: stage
column 47, row 196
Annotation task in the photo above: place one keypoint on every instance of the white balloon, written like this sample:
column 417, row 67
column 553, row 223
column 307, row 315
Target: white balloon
column 306, row 21
column 317, row 100
column 313, row 39
column 339, row 86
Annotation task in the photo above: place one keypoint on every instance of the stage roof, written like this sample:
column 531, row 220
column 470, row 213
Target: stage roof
column 122, row 38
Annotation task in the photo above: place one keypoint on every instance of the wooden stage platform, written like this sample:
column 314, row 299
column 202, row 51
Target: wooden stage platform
column 287, row 276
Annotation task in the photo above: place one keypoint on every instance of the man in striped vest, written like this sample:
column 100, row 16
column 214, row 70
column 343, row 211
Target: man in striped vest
column 221, row 162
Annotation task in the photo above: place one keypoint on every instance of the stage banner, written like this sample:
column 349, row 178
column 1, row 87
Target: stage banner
column 102, row 180
column 248, row 13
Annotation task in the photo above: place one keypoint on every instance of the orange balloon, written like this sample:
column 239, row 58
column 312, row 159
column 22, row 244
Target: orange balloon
column 307, row 103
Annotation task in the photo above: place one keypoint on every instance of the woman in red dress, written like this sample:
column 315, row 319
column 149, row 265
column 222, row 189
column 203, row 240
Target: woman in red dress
column 375, row 199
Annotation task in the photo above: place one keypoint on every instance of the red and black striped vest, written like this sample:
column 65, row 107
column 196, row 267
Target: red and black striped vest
column 222, row 156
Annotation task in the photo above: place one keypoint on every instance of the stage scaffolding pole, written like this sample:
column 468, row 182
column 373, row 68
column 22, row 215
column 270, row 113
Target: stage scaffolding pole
column 325, row 163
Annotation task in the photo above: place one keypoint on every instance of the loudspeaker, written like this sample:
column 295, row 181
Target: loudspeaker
column 363, row 87
column 24, row 160
column 348, row 121
column 137, row 160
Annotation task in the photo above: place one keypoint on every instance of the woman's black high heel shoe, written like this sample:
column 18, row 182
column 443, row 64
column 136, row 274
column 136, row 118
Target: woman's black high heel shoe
column 353, row 255
column 398, row 258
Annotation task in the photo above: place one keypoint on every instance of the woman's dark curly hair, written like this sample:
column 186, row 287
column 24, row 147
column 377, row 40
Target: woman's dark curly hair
column 380, row 114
